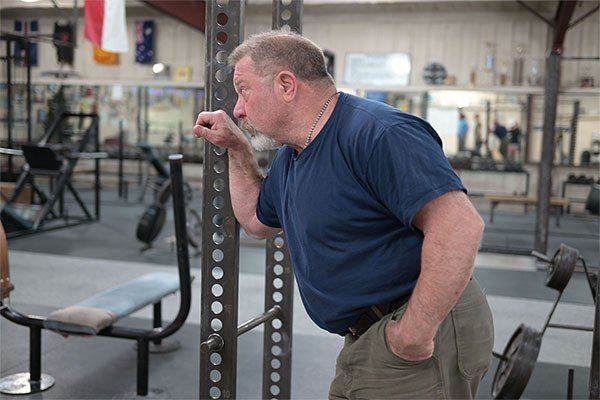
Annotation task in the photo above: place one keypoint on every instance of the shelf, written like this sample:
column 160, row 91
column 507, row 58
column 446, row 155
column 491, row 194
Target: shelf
column 111, row 82
column 535, row 90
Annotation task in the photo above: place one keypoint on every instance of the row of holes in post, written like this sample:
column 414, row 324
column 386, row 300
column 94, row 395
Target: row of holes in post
column 218, row 273
column 276, row 348
column 220, row 93
column 276, row 337
column 285, row 15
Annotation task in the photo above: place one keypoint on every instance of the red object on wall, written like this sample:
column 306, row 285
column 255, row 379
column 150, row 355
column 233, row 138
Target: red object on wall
column 94, row 19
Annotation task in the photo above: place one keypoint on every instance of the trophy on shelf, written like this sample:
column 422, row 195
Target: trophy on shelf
column 518, row 65
column 488, row 77
column 535, row 73
column 503, row 76
column 473, row 75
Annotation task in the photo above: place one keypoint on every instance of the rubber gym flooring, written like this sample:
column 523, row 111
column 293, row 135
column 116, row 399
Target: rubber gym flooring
column 58, row 268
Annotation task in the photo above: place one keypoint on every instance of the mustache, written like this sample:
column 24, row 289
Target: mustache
column 258, row 140
column 248, row 128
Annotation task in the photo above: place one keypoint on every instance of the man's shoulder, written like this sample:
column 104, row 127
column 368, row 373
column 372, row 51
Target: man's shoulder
column 358, row 109
column 365, row 121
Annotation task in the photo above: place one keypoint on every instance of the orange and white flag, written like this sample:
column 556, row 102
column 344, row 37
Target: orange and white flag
column 105, row 25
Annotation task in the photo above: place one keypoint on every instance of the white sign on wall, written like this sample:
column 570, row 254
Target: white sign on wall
column 377, row 69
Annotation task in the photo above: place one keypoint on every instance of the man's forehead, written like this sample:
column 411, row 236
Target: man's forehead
column 243, row 66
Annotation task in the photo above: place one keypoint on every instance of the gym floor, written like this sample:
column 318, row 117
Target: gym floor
column 58, row 268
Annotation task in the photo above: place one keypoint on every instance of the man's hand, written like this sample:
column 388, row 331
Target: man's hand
column 409, row 346
column 220, row 130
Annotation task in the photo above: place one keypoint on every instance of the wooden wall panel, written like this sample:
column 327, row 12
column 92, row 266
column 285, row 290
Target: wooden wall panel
column 456, row 39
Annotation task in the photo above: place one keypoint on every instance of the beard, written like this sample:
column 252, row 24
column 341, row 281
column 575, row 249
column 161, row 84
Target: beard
column 258, row 140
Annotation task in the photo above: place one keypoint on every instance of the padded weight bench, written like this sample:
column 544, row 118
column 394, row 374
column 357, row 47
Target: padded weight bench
column 98, row 314
column 103, row 309
column 558, row 203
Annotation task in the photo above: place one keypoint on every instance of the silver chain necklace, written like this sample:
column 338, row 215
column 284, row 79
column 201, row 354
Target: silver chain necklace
column 314, row 125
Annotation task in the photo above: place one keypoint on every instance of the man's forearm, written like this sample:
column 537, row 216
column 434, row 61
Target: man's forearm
column 447, row 262
column 244, row 183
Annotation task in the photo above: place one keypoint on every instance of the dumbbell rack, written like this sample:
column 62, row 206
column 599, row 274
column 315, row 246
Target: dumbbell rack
column 517, row 362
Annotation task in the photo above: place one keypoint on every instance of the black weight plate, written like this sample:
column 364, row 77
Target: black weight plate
column 562, row 267
column 151, row 223
column 193, row 222
column 516, row 367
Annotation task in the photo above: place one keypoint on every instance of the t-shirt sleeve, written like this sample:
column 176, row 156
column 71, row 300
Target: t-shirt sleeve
column 265, row 209
column 408, row 168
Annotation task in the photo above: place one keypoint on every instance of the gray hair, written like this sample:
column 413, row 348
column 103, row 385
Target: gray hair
column 277, row 50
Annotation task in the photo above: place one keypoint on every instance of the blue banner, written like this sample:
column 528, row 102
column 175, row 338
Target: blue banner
column 144, row 42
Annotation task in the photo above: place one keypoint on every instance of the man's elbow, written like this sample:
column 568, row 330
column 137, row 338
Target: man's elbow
column 256, row 234
column 259, row 231
column 477, row 226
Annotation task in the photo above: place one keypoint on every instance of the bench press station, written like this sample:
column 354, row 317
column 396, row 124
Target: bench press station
column 98, row 314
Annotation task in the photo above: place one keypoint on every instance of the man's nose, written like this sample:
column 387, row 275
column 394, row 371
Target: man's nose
column 239, row 110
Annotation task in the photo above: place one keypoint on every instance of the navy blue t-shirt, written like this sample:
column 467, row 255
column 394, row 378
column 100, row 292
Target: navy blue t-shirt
column 346, row 204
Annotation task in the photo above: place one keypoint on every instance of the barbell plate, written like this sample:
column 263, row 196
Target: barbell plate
column 561, row 268
column 517, row 363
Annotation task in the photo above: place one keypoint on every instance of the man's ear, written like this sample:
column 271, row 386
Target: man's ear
column 286, row 85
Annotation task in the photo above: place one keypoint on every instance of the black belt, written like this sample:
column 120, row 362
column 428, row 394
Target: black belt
column 374, row 314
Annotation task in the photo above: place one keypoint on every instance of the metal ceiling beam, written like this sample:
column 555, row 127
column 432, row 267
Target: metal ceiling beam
column 584, row 16
column 190, row 12
column 563, row 16
column 534, row 12
column 559, row 27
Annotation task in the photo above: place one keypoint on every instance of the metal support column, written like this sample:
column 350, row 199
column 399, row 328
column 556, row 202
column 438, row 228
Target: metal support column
column 573, row 141
column 139, row 131
column 545, row 169
column 279, row 279
column 594, row 384
column 28, row 87
column 9, row 110
column 220, row 231
column 488, row 126
column 528, row 129
column 97, row 184
column 121, row 145
column 424, row 104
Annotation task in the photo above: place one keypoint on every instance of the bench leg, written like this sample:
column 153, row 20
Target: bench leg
column 493, row 206
column 142, row 367
column 34, row 381
column 157, row 320
column 35, row 353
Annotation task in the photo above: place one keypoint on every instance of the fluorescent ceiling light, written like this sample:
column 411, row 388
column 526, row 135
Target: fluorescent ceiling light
column 30, row 1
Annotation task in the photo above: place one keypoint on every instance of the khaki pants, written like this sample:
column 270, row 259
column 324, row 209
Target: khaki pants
column 367, row 369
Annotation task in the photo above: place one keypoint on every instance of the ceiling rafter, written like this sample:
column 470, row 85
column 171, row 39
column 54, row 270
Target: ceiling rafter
column 190, row 12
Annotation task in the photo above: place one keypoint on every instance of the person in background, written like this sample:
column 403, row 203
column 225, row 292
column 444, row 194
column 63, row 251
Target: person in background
column 478, row 137
column 514, row 145
column 463, row 128
column 502, row 134
column 381, row 233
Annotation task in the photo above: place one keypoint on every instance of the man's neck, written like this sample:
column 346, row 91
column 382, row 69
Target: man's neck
column 307, row 112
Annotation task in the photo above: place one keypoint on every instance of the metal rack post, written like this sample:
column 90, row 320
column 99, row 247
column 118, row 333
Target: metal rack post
column 279, row 278
column 220, row 231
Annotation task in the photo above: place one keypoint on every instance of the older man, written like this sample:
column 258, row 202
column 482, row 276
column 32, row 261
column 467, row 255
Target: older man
column 380, row 231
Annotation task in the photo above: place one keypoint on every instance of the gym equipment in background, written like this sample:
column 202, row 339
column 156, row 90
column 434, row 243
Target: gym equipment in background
column 56, row 162
column 154, row 217
column 517, row 362
column 592, row 204
column 98, row 315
